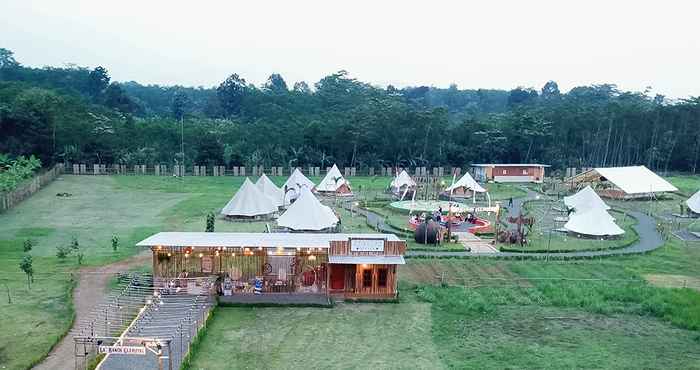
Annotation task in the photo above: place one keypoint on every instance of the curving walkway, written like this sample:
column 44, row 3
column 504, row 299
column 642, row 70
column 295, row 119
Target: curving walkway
column 649, row 238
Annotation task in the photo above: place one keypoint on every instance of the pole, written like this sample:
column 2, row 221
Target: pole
column 170, row 357
column 182, row 139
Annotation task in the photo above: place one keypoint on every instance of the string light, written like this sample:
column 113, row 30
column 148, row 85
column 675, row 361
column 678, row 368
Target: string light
column 201, row 255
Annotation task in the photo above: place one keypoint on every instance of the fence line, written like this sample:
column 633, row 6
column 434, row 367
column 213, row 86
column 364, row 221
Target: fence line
column 12, row 198
column 199, row 170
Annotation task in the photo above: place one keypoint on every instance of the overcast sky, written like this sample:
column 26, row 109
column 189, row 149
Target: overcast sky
column 475, row 44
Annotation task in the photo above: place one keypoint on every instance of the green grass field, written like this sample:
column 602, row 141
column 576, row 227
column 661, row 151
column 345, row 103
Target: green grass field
column 432, row 327
column 509, row 316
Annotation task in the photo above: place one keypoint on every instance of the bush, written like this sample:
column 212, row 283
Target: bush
column 12, row 172
column 63, row 251
column 115, row 242
column 28, row 245
column 211, row 219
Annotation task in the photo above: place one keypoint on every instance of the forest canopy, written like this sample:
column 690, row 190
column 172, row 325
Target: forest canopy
column 80, row 115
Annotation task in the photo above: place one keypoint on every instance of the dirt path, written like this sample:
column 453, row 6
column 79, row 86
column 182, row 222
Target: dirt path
column 90, row 291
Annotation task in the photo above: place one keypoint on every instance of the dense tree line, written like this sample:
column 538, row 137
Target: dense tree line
column 79, row 115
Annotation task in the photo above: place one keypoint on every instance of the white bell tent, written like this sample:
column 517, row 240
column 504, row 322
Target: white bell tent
column 269, row 188
column 249, row 201
column 694, row 203
column 292, row 187
column 334, row 183
column 307, row 213
column 593, row 222
column 586, row 198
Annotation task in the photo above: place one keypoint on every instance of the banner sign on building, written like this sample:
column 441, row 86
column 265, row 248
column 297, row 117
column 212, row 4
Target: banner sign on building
column 366, row 245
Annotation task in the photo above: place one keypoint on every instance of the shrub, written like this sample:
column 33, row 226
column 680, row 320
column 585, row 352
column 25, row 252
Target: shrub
column 115, row 242
column 211, row 219
column 63, row 251
column 28, row 245
column 12, row 172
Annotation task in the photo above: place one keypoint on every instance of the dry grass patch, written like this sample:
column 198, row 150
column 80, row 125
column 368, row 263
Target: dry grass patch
column 673, row 281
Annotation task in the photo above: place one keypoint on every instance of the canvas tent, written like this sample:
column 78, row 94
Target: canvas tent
column 465, row 183
column 593, row 222
column 292, row 187
column 586, row 198
column 249, row 201
column 334, row 183
column 624, row 182
column 694, row 203
column 267, row 187
column 403, row 184
column 307, row 213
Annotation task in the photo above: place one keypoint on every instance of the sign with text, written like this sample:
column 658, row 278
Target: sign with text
column 122, row 350
column 366, row 245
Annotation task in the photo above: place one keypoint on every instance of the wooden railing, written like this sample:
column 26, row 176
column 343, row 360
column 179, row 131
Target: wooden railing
column 12, row 198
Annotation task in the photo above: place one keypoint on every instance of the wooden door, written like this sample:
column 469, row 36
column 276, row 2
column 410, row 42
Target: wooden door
column 337, row 277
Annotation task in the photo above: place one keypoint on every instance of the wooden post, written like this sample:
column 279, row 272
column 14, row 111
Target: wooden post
column 353, row 171
column 242, row 171
column 371, row 171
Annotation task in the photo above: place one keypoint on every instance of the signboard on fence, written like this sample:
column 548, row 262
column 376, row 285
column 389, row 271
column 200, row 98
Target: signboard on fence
column 366, row 245
column 122, row 350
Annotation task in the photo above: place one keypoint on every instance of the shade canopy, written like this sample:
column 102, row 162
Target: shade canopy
column 249, row 201
column 333, row 181
column 307, row 213
column 694, row 202
column 586, row 198
column 467, row 181
column 401, row 180
column 635, row 179
column 269, row 188
column 593, row 222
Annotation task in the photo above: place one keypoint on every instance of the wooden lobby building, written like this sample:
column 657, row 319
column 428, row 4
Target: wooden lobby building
column 344, row 266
